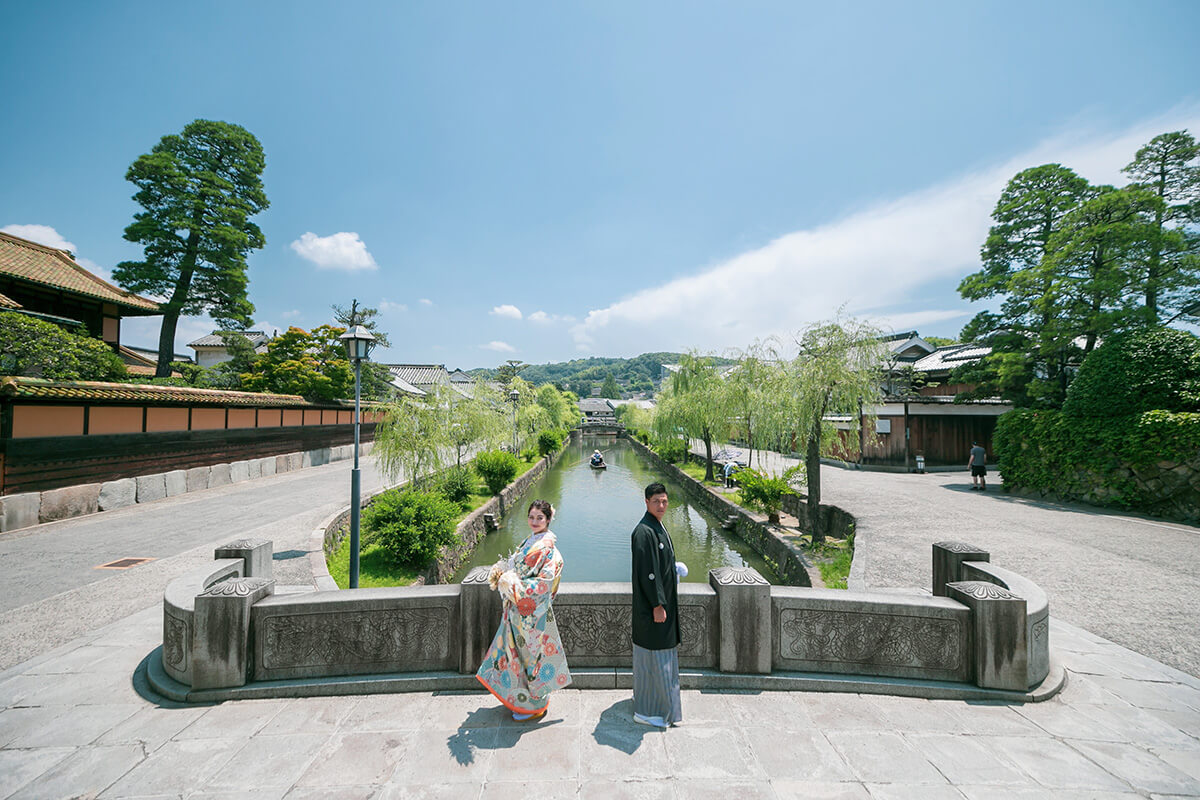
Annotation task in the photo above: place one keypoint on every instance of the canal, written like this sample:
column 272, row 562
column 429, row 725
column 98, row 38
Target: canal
column 596, row 510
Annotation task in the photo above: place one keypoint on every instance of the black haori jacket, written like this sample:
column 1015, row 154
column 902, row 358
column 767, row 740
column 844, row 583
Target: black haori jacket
column 654, row 584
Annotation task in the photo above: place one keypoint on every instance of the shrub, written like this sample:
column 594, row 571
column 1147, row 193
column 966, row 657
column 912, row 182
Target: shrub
column 549, row 441
column 456, row 483
column 528, row 455
column 1136, row 371
column 411, row 526
column 40, row 349
column 672, row 450
column 765, row 492
column 497, row 468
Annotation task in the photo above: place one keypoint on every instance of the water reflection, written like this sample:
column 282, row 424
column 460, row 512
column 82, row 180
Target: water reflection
column 597, row 510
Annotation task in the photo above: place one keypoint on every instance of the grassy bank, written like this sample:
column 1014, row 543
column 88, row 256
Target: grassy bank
column 374, row 569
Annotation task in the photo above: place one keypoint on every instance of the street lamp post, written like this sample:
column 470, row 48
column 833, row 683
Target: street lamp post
column 359, row 342
column 514, row 397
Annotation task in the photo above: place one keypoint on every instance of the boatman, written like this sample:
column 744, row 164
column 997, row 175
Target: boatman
column 655, row 616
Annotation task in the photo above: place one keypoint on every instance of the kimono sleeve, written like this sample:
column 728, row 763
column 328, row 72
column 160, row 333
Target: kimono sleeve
column 645, row 564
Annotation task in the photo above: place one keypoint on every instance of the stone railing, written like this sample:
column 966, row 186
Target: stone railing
column 985, row 634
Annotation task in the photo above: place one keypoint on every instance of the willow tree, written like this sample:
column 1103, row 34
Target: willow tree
column 198, row 190
column 695, row 403
column 836, row 373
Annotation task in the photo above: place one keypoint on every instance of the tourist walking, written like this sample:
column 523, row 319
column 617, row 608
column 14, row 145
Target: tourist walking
column 978, row 466
column 655, row 616
column 526, row 661
column 730, row 466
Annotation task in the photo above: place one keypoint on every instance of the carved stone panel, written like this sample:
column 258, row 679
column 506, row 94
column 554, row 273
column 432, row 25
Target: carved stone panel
column 601, row 634
column 737, row 576
column 335, row 643
column 176, row 641
column 873, row 643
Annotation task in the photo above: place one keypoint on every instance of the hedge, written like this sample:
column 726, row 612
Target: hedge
column 1052, row 452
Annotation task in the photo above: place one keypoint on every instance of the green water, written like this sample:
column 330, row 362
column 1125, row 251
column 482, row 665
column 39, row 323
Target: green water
column 596, row 511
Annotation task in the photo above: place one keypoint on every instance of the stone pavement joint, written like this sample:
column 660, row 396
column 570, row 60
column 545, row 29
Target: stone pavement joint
column 74, row 723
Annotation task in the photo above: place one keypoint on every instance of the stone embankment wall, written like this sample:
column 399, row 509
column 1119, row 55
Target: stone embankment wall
column 790, row 564
column 31, row 508
column 1169, row 489
column 834, row 521
column 470, row 531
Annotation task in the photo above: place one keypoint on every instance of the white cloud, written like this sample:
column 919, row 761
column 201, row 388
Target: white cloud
column 42, row 234
column 425, row 301
column 295, row 312
column 499, row 347
column 339, row 251
column 507, row 311
column 387, row 305
column 45, row 234
column 872, row 262
column 545, row 319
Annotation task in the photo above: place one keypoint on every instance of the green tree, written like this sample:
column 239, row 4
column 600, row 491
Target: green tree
column 36, row 348
column 561, row 411
column 198, row 190
column 413, row 438
column 312, row 365
column 753, row 390
column 475, row 420
column 360, row 315
column 1134, row 371
column 609, row 388
column 1093, row 286
column 836, row 372
column 509, row 370
column 1169, row 167
column 695, row 403
column 1030, row 211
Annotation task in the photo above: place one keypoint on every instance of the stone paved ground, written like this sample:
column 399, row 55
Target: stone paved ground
column 1134, row 579
column 77, row 723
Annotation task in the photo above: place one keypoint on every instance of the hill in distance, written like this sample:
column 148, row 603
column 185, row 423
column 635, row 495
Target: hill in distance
column 640, row 373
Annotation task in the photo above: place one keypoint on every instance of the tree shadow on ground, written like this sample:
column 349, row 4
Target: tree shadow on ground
column 995, row 492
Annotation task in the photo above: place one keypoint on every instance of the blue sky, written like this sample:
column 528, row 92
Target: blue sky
column 551, row 181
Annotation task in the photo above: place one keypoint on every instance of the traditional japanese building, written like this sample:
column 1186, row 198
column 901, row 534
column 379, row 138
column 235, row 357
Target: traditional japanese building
column 45, row 282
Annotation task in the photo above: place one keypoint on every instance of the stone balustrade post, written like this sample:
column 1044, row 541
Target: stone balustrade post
column 257, row 554
column 479, row 615
column 744, row 611
column 221, row 631
column 947, row 563
column 998, row 621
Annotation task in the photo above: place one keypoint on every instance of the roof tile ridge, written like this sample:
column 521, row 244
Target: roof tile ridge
column 66, row 258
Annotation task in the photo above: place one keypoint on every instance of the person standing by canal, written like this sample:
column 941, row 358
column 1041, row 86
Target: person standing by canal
column 655, row 616
column 978, row 466
column 526, row 661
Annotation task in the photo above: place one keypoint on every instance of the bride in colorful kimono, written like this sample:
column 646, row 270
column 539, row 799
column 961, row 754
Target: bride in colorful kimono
column 526, row 660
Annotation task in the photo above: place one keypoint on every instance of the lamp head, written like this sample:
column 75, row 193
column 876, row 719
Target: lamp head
column 359, row 343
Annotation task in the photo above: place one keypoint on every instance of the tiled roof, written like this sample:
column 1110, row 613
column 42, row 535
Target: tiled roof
column 458, row 376
column 951, row 356
column 419, row 374
column 595, row 406
column 45, row 266
column 216, row 338
column 406, row 387
column 152, row 394
column 8, row 302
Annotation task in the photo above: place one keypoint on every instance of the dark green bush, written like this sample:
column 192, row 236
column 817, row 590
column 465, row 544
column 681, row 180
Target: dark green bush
column 549, row 441
column 672, row 450
column 456, row 483
column 411, row 526
column 1136, row 371
column 1048, row 450
column 36, row 348
column 528, row 455
column 497, row 468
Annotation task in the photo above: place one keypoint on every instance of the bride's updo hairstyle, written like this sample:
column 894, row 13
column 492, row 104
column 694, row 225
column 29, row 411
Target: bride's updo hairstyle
column 543, row 506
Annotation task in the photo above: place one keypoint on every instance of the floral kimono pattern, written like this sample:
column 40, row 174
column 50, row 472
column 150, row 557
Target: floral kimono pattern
column 526, row 661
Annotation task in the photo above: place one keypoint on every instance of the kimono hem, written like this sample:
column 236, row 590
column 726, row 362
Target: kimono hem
column 525, row 661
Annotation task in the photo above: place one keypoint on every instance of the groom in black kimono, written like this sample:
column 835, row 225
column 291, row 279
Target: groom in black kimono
column 655, row 617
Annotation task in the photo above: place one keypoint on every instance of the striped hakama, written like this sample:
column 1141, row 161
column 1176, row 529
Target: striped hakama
column 656, row 684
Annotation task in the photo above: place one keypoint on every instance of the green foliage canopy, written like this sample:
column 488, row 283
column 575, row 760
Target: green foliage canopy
column 36, row 348
column 198, row 190
column 312, row 365
column 1136, row 371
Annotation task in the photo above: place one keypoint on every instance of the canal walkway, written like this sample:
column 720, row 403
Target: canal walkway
column 1131, row 578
